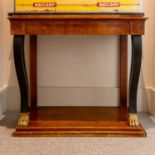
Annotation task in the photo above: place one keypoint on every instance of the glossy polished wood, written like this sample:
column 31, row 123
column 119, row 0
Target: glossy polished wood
column 105, row 121
column 77, row 24
column 123, row 70
column 80, row 121
column 33, row 72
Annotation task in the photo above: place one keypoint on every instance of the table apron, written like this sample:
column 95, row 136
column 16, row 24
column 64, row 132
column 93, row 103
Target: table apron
column 77, row 27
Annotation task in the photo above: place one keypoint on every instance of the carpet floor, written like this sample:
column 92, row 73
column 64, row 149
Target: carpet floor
column 75, row 145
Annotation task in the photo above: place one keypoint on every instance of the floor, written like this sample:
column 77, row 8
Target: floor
column 75, row 145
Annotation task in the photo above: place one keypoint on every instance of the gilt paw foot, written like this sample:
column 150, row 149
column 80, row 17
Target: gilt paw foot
column 133, row 120
column 24, row 119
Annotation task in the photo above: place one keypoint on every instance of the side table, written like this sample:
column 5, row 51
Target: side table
column 78, row 121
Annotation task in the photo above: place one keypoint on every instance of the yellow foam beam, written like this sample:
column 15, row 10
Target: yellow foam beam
column 77, row 5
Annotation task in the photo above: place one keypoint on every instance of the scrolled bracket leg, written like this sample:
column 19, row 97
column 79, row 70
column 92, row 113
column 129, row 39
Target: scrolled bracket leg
column 134, row 79
column 18, row 48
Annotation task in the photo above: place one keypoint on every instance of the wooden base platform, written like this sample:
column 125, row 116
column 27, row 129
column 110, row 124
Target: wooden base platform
column 79, row 121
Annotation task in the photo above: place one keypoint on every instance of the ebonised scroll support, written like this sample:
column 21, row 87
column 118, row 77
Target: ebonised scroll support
column 134, row 79
column 19, row 59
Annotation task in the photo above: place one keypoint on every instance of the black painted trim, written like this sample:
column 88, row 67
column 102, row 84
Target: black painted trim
column 18, row 48
column 75, row 13
column 135, row 72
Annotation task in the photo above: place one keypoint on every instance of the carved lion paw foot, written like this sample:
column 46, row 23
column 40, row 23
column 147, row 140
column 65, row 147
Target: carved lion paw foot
column 24, row 120
column 133, row 120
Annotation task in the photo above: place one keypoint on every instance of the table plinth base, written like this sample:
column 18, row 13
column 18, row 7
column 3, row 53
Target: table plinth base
column 79, row 121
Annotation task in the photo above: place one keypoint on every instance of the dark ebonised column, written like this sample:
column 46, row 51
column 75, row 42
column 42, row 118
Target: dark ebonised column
column 18, row 48
column 134, row 78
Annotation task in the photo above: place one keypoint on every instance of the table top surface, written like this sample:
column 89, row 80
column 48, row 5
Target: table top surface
column 135, row 16
column 97, row 24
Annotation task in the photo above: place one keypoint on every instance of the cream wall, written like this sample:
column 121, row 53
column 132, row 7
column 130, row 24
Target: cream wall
column 148, row 42
column 2, row 65
column 151, row 39
column 148, row 56
column 1, row 45
column 80, row 70
column 1, row 58
column 7, row 40
column 153, row 58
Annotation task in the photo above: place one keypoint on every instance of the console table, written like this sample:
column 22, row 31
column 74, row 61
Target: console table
column 78, row 121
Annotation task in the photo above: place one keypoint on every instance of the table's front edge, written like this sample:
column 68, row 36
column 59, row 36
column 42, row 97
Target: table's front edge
column 77, row 27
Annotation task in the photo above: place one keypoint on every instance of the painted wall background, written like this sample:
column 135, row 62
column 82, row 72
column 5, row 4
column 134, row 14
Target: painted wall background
column 2, row 62
column 1, row 57
column 80, row 70
column 1, row 45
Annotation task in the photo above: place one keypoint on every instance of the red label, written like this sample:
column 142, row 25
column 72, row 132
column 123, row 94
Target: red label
column 108, row 4
column 45, row 4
